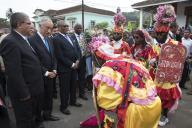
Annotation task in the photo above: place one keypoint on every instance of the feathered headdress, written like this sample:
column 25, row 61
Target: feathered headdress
column 165, row 15
column 119, row 20
column 101, row 48
column 96, row 42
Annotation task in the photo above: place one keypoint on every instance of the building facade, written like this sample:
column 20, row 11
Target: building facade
column 73, row 15
column 183, row 9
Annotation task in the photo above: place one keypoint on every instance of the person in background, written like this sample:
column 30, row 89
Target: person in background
column 78, row 39
column 187, row 42
column 55, row 31
column 67, row 64
column 142, row 50
column 173, row 32
column 152, row 35
column 190, row 73
column 4, row 117
column 2, row 73
column 120, row 46
column 168, row 91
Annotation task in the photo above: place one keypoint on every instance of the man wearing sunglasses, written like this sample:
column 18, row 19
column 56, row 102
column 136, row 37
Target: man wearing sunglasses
column 23, row 69
column 67, row 64
column 120, row 46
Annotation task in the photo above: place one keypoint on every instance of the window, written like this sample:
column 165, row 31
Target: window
column 92, row 24
column 72, row 22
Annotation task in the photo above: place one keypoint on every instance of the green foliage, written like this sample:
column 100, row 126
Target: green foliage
column 4, row 23
column 87, row 37
column 129, row 26
column 133, row 18
column 132, row 26
column 102, row 25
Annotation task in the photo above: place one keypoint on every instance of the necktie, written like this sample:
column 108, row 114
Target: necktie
column 78, row 38
column 68, row 39
column 46, row 44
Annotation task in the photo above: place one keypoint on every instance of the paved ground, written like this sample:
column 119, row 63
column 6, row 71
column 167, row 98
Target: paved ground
column 181, row 119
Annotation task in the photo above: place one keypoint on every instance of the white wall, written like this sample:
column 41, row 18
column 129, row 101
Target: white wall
column 98, row 18
column 88, row 17
column 181, row 18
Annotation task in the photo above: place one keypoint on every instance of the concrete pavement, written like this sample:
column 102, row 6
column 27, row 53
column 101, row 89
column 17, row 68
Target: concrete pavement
column 182, row 118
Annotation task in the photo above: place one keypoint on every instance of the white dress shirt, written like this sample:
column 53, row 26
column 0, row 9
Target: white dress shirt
column 117, row 44
column 188, row 44
column 67, row 37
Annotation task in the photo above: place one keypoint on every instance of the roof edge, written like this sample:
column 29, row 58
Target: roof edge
column 168, row 2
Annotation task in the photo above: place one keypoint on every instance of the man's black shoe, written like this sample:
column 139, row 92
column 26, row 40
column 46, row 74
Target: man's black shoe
column 76, row 105
column 65, row 111
column 51, row 118
column 83, row 97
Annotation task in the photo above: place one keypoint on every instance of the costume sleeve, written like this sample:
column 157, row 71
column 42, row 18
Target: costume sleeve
column 109, row 88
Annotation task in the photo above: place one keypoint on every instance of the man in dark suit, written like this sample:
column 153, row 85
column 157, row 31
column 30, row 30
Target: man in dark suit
column 173, row 32
column 45, row 52
column 54, row 33
column 4, row 118
column 67, row 63
column 78, row 38
column 23, row 69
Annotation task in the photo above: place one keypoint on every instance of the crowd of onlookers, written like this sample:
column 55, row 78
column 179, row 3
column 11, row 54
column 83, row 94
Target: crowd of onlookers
column 35, row 60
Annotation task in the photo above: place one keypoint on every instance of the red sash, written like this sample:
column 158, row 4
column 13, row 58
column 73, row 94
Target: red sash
column 122, row 108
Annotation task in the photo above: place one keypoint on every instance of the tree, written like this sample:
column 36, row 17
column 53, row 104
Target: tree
column 132, row 26
column 134, row 17
column 129, row 26
column 102, row 25
column 4, row 23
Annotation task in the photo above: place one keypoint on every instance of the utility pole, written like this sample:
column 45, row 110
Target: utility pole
column 82, row 6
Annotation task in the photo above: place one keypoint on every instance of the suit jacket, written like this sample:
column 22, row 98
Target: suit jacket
column 75, row 41
column 47, row 58
column 23, row 67
column 65, row 52
column 177, row 37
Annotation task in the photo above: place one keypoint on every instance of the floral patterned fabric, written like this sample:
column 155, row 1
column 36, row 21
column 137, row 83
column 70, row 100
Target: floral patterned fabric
column 169, row 93
column 110, row 82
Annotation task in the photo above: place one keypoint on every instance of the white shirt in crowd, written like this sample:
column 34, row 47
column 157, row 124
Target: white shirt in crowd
column 117, row 44
column 188, row 44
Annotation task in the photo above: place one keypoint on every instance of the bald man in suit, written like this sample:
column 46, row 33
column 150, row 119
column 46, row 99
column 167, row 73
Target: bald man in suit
column 67, row 64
